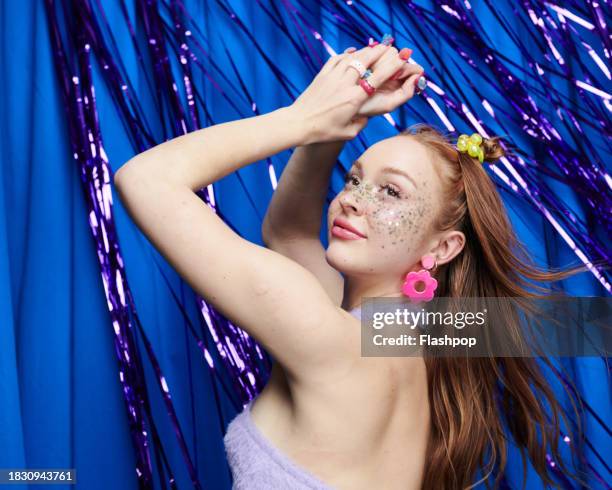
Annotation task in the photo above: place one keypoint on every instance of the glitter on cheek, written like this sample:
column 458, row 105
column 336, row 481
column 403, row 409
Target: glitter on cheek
column 399, row 222
column 387, row 221
column 392, row 221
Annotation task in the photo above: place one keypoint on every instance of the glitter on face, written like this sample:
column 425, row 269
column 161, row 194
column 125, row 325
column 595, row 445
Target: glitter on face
column 395, row 212
column 390, row 220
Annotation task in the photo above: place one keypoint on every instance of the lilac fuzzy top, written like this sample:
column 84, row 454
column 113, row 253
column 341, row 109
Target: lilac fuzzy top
column 257, row 465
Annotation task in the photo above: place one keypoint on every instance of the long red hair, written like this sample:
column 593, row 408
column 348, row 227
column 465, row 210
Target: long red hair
column 472, row 399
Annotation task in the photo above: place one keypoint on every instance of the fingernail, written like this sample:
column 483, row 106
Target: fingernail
column 351, row 49
column 405, row 53
column 373, row 43
column 388, row 39
column 421, row 83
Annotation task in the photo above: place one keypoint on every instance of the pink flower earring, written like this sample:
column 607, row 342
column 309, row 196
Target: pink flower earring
column 420, row 286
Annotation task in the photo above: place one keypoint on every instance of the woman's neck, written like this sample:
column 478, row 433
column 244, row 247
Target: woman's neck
column 358, row 287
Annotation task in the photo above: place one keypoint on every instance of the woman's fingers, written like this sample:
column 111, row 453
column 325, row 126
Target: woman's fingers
column 391, row 74
column 407, row 70
column 366, row 56
column 335, row 59
column 405, row 92
column 365, row 53
column 331, row 62
column 385, row 69
column 371, row 58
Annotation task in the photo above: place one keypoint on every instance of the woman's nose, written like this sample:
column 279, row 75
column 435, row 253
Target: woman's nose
column 351, row 201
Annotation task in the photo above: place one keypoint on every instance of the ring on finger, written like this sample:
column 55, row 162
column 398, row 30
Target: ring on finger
column 359, row 66
column 365, row 85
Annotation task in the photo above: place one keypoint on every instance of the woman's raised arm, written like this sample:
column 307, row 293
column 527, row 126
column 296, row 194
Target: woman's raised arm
column 293, row 219
column 254, row 287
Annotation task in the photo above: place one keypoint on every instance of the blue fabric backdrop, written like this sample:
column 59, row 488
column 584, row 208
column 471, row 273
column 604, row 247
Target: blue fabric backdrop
column 60, row 399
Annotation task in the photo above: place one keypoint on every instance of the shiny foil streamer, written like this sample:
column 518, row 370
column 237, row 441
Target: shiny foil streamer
column 233, row 344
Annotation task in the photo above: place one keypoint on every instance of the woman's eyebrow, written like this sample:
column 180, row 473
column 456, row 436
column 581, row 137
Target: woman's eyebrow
column 389, row 170
column 397, row 171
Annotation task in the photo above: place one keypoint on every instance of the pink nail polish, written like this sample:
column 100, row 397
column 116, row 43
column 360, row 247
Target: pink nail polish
column 405, row 53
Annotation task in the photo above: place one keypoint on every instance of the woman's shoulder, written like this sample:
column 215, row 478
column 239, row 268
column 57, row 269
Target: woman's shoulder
column 340, row 349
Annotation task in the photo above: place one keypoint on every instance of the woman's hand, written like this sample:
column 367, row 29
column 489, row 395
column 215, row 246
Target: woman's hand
column 394, row 92
column 329, row 108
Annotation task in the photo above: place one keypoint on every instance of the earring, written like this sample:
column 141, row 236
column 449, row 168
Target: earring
column 427, row 284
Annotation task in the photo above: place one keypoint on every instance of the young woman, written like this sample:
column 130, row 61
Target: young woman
column 329, row 418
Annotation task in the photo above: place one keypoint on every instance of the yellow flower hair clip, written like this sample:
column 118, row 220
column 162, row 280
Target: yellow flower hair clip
column 472, row 145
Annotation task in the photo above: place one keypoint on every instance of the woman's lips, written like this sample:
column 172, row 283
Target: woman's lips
column 345, row 234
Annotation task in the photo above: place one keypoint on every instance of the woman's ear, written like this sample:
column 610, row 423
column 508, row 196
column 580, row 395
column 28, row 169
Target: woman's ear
column 449, row 246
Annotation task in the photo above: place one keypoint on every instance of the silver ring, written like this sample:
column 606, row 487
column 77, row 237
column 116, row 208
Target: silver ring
column 359, row 66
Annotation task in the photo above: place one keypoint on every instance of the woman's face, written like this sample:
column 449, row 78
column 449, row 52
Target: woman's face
column 391, row 196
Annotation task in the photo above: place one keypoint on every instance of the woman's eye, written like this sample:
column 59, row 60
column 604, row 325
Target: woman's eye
column 351, row 178
column 391, row 191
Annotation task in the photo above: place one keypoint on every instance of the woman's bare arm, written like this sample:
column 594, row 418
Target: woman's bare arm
column 264, row 292
column 292, row 223
column 260, row 290
column 293, row 220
